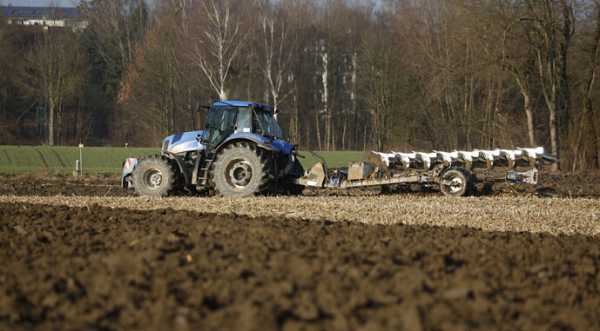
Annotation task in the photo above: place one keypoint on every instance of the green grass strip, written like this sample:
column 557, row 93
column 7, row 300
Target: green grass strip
column 61, row 159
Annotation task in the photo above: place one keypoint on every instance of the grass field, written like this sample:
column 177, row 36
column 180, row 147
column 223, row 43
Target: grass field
column 25, row 159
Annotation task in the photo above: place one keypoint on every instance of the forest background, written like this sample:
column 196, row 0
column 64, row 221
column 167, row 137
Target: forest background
column 343, row 74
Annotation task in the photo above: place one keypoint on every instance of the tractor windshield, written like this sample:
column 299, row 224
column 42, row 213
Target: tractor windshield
column 267, row 125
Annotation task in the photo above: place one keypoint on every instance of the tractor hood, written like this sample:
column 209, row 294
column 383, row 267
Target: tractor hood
column 183, row 142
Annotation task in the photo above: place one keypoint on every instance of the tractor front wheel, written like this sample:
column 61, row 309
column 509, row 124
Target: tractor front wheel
column 154, row 177
column 240, row 170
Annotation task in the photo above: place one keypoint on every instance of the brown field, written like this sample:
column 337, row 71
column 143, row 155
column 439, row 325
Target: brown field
column 81, row 255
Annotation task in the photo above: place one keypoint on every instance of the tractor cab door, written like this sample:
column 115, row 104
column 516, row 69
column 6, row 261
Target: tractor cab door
column 220, row 124
column 244, row 120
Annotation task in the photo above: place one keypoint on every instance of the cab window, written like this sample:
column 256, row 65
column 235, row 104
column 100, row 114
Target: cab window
column 220, row 124
column 244, row 120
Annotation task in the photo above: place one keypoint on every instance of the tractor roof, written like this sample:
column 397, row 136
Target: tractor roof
column 239, row 103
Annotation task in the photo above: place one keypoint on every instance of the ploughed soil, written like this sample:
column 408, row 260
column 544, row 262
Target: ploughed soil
column 51, row 185
column 574, row 185
column 96, row 268
column 554, row 185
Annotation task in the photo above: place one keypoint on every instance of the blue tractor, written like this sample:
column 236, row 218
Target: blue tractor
column 240, row 153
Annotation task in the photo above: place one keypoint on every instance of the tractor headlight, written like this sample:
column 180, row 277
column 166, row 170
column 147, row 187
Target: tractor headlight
column 165, row 146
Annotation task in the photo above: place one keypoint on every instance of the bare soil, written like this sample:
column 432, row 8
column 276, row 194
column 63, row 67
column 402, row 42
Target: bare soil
column 574, row 185
column 51, row 185
column 95, row 268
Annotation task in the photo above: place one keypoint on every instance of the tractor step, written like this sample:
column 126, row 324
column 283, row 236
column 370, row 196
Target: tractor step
column 204, row 170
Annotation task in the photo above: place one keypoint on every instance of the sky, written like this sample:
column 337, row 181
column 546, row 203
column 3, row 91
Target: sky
column 41, row 3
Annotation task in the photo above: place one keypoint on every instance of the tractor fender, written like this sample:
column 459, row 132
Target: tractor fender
column 261, row 141
column 127, row 170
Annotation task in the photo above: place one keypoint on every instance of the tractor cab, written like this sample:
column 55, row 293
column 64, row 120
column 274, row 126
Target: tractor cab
column 234, row 118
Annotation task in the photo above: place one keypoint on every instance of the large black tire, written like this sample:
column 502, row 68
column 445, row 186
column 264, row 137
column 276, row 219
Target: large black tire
column 154, row 177
column 293, row 189
column 456, row 182
column 241, row 170
column 293, row 171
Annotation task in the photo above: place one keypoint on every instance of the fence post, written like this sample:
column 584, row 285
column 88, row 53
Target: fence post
column 77, row 169
column 81, row 159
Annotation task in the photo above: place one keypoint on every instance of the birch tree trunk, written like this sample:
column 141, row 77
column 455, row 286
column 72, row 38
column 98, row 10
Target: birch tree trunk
column 353, row 82
column 294, row 121
column 529, row 115
column 548, row 76
column 524, row 90
column 325, row 95
column 318, row 128
column 278, row 51
column 51, row 115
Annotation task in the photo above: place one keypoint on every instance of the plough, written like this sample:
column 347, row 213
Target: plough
column 456, row 173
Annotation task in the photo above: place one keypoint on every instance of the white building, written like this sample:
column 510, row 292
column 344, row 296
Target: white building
column 48, row 17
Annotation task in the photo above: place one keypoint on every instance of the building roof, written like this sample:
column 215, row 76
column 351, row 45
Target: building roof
column 239, row 103
column 34, row 12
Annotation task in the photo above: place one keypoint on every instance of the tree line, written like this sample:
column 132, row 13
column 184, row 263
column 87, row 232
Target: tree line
column 343, row 74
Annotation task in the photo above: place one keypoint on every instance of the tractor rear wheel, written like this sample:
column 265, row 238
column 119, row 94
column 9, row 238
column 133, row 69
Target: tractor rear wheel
column 456, row 182
column 154, row 177
column 240, row 170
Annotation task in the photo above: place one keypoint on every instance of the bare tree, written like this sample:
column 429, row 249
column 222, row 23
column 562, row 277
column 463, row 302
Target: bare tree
column 518, row 58
column 383, row 87
column 218, row 45
column 53, row 71
column 587, row 142
column 110, row 24
column 551, row 29
column 5, row 70
column 278, row 51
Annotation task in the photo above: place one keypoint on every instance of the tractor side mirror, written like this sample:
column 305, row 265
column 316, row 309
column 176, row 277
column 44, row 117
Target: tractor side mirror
column 203, row 138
